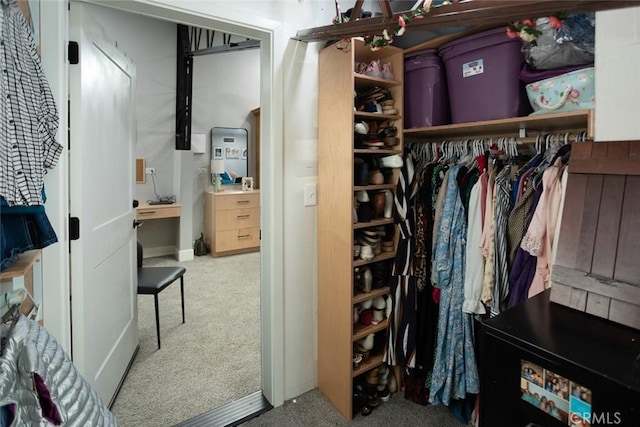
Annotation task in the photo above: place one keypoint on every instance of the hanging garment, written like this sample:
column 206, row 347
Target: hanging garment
column 401, row 345
column 488, row 241
column 40, row 380
column 28, row 115
column 539, row 239
column 455, row 372
column 518, row 223
column 424, row 227
column 474, row 261
column 427, row 309
column 524, row 264
column 501, row 265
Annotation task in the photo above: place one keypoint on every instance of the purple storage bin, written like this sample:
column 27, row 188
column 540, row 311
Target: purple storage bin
column 483, row 75
column 426, row 101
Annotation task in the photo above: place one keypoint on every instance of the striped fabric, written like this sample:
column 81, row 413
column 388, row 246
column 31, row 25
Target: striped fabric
column 401, row 338
column 28, row 115
column 501, row 262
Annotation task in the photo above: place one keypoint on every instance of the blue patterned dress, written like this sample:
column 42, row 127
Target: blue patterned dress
column 454, row 372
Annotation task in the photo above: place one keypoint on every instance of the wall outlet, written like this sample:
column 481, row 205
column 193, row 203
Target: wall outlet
column 150, row 170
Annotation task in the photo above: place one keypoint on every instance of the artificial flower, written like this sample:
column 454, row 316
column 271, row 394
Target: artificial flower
column 555, row 22
column 385, row 34
column 512, row 34
column 527, row 36
column 527, row 28
column 401, row 21
column 400, row 31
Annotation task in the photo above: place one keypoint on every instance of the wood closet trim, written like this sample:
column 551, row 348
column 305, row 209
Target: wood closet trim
column 606, row 158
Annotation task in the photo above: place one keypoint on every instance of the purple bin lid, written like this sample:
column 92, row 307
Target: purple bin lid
column 427, row 58
column 530, row 75
column 476, row 41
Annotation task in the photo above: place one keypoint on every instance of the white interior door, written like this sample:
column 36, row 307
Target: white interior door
column 102, row 151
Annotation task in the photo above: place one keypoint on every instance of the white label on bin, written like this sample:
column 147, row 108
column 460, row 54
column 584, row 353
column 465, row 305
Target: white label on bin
column 473, row 68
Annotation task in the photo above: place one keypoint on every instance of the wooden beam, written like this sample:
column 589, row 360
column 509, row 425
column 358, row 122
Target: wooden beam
column 356, row 10
column 469, row 13
column 385, row 7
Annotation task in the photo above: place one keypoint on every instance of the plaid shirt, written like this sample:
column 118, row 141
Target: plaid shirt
column 28, row 114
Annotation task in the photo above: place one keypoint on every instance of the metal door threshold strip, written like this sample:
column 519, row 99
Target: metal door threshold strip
column 232, row 414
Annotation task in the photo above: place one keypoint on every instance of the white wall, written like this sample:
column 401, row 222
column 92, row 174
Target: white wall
column 617, row 70
column 226, row 87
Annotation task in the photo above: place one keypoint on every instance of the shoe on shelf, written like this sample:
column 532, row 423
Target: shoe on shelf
column 366, row 253
column 357, row 359
column 393, row 161
column 386, row 71
column 362, row 128
column 376, row 178
column 374, row 69
column 388, row 206
column 366, row 317
column 377, row 317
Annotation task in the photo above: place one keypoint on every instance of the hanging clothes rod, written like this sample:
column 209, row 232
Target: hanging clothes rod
column 509, row 146
column 567, row 137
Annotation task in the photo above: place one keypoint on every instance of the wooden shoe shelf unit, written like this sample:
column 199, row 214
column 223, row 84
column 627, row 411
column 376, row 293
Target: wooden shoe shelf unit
column 337, row 293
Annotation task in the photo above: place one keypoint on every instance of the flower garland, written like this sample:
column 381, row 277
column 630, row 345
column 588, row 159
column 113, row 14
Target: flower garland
column 527, row 29
column 377, row 41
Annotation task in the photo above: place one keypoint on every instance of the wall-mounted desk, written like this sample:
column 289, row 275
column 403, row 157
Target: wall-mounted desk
column 148, row 234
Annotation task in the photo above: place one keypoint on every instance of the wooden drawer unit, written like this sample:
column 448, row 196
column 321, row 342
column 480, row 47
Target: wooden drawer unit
column 232, row 221
column 232, row 240
column 237, row 218
column 237, row 200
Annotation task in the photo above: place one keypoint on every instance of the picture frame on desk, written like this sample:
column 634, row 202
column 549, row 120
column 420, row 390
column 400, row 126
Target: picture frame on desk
column 247, row 183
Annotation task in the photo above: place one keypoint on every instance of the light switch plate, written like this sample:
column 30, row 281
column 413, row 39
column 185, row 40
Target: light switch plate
column 310, row 197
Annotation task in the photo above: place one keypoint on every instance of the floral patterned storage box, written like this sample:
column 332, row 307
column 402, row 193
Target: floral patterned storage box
column 566, row 92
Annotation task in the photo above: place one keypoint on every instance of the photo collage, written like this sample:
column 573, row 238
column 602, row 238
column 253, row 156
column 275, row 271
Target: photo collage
column 559, row 397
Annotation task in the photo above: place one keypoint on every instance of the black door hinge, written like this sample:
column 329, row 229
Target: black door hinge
column 74, row 53
column 74, row 228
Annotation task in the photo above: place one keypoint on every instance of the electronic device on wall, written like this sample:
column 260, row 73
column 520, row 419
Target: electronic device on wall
column 230, row 145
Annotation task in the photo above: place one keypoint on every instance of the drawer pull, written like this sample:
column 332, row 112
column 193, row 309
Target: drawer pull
column 146, row 213
column 243, row 216
column 241, row 202
column 244, row 236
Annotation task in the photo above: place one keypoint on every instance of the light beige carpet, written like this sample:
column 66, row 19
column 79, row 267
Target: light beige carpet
column 212, row 359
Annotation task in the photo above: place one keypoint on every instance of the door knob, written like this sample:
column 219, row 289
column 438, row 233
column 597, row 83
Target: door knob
column 137, row 223
column 135, row 203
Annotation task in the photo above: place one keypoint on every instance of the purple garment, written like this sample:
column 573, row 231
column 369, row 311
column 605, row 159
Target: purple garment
column 523, row 268
column 49, row 409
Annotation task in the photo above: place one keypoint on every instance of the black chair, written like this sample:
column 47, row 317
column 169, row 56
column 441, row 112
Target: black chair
column 152, row 280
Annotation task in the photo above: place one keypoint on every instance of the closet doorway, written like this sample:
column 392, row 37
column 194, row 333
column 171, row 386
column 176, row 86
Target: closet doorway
column 271, row 358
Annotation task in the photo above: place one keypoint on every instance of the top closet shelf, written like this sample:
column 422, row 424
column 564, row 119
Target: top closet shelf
column 363, row 81
column 572, row 120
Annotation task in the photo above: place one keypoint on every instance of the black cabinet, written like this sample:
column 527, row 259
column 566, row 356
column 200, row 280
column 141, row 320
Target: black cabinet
column 591, row 352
